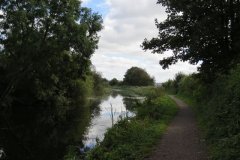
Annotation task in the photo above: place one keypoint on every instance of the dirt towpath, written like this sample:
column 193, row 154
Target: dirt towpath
column 181, row 140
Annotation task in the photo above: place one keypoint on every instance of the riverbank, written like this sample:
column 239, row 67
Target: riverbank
column 133, row 138
column 134, row 90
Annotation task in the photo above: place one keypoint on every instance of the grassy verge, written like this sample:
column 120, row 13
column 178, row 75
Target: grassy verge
column 190, row 101
column 195, row 107
column 134, row 91
column 133, row 138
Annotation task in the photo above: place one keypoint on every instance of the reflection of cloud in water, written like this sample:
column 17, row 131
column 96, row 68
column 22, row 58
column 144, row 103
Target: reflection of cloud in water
column 101, row 122
column 2, row 153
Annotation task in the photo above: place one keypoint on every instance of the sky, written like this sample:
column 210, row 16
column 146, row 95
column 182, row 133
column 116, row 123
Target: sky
column 126, row 24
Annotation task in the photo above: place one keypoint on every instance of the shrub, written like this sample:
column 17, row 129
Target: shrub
column 157, row 108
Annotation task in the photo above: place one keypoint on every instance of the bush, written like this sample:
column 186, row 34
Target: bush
column 98, row 83
column 172, row 86
column 81, row 89
column 222, row 116
column 156, row 109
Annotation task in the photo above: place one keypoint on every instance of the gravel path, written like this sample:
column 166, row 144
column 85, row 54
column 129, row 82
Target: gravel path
column 181, row 140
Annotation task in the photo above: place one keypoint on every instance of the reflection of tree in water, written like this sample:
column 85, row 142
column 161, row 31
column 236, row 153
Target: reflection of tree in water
column 130, row 103
column 44, row 132
column 114, row 94
column 94, row 106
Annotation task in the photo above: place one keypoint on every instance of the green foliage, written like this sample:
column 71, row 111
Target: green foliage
column 81, row 89
column 114, row 82
column 218, row 108
column 173, row 85
column 224, row 108
column 187, row 32
column 176, row 82
column 128, row 140
column 168, row 85
column 137, row 77
column 46, row 46
column 100, row 86
column 133, row 139
column 45, row 50
column 71, row 154
column 157, row 108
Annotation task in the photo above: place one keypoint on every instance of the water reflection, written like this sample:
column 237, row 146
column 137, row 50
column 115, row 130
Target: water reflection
column 47, row 133
column 40, row 133
column 111, row 110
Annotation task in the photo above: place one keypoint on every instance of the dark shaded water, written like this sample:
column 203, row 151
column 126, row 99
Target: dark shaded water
column 37, row 133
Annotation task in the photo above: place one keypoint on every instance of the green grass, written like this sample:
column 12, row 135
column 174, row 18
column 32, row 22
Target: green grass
column 134, row 91
column 134, row 138
column 190, row 101
column 195, row 107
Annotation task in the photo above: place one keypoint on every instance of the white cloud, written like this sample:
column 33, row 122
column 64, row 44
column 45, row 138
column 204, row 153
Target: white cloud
column 85, row 1
column 125, row 26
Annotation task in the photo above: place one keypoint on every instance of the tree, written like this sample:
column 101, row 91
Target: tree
column 199, row 31
column 45, row 50
column 45, row 47
column 114, row 82
column 177, row 81
column 99, row 84
column 137, row 77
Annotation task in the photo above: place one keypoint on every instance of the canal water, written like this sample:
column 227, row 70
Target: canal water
column 37, row 133
column 112, row 109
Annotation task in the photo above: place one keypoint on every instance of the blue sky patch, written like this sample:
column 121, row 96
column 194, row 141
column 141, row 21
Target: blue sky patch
column 98, row 6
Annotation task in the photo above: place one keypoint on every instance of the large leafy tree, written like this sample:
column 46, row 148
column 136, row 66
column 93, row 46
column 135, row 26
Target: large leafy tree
column 136, row 76
column 45, row 46
column 45, row 50
column 199, row 31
